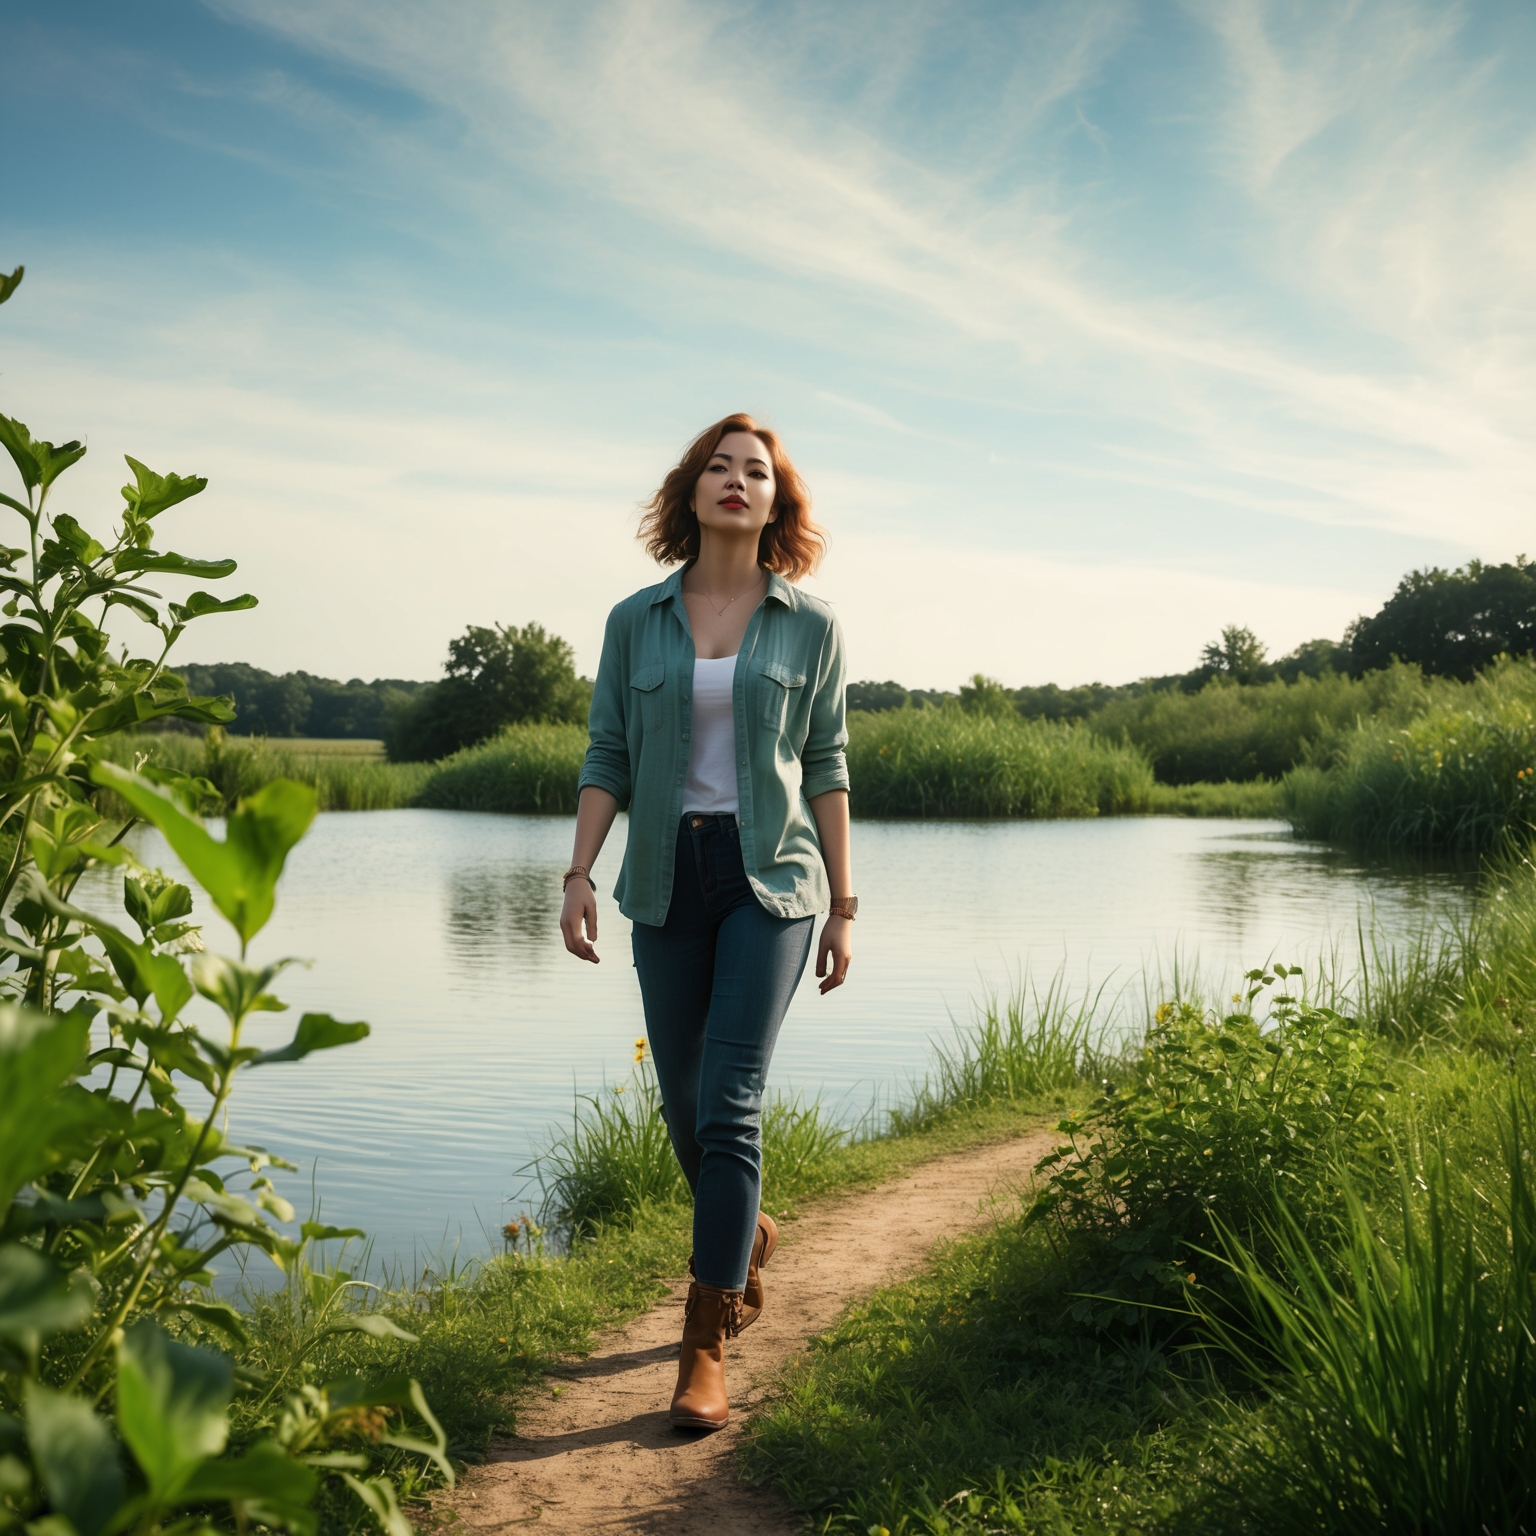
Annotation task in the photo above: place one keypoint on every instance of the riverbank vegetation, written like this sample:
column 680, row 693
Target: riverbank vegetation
column 1279, row 1278
column 947, row 762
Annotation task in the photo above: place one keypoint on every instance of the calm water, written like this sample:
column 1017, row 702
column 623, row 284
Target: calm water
column 439, row 928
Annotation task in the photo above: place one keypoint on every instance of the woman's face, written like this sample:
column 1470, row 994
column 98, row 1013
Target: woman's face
column 736, row 492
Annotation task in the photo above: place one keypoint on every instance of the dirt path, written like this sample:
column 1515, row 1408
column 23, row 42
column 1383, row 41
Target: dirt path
column 601, row 1455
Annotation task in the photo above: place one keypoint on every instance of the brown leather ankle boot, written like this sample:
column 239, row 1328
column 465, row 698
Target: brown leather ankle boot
column 764, row 1241
column 763, row 1244
column 710, row 1318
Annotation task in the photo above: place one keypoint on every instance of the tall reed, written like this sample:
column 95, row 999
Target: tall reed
column 1461, row 776
column 526, row 768
column 945, row 762
column 1028, row 1046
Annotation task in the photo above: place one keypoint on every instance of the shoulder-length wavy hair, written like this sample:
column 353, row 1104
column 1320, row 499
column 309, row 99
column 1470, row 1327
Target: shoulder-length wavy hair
column 791, row 544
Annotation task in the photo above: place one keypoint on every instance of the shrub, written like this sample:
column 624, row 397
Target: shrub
column 1219, row 1124
column 1230, row 732
column 947, row 762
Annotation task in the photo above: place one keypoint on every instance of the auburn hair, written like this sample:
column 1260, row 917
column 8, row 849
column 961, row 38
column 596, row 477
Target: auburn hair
column 791, row 544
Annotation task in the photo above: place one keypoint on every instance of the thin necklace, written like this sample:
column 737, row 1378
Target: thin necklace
column 720, row 612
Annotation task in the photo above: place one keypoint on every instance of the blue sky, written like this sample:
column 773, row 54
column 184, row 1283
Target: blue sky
column 1093, row 326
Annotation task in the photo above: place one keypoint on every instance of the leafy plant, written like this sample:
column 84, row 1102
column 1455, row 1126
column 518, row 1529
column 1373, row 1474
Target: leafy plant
column 1220, row 1123
column 114, row 1395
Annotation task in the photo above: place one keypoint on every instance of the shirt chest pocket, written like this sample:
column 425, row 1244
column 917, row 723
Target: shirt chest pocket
column 648, row 696
column 779, row 691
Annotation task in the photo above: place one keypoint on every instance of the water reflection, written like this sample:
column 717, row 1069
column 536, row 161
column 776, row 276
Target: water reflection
column 507, row 907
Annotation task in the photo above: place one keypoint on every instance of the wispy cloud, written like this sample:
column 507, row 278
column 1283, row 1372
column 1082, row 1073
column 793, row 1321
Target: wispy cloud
column 700, row 122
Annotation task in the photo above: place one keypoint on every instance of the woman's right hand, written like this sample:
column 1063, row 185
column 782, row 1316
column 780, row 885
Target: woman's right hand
column 578, row 919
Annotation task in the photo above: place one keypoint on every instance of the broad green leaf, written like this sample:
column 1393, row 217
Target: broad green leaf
column 199, row 604
column 316, row 1032
column 8, row 285
column 322, row 1232
column 237, row 988
column 176, row 1051
column 172, row 1406
column 17, row 442
column 374, row 1324
column 266, row 1476
column 37, row 1299
column 173, row 564
column 39, row 463
column 220, row 1315
column 227, row 1209
column 241, row 873
column 378, row 1495
column 75, row 1456
column 151, row 494
column 145, row 611
column 45, row 1117
column 80, row 544
column 149, row 908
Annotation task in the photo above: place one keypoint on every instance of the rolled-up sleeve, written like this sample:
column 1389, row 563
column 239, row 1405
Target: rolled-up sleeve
column 607, row 764
column 823, row 762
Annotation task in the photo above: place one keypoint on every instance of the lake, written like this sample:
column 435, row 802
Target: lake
column 439, row 928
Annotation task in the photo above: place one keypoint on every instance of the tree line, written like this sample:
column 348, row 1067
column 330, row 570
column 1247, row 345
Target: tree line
column 1447, row 623
column 494, row 677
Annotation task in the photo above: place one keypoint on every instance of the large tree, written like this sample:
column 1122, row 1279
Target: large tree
column 493, row 678
column 1451, row 622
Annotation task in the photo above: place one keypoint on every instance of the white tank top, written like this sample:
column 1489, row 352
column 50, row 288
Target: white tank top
column 710, row 789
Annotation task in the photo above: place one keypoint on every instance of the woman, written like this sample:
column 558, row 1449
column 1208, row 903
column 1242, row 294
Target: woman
column 717, row 719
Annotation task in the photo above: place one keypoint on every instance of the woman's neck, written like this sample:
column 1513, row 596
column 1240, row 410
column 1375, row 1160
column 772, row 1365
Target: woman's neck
column 725, row 566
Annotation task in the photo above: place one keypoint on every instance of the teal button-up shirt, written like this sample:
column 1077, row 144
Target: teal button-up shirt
column 790, row 735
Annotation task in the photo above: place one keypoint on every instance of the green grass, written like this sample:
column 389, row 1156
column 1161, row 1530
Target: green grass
column 1461, row 775
column 947, row 763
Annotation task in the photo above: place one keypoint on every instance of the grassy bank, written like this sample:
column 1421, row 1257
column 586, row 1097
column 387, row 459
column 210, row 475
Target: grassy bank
column 612, row 1222
column 1125, row 1359
column 1280, row 1280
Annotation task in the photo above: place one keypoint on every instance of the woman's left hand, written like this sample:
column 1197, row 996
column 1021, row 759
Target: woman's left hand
column 834, row 952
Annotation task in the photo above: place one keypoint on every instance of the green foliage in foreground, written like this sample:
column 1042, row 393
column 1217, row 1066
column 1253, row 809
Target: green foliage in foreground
column 1461, row 774
column 945, row 762
column 116, row 1373
column 1362, row 1304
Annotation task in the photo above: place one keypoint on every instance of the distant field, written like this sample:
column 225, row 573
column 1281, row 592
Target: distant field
column 315, row 746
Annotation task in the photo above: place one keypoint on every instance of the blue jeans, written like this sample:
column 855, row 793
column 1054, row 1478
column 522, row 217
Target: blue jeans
column 716, row 979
